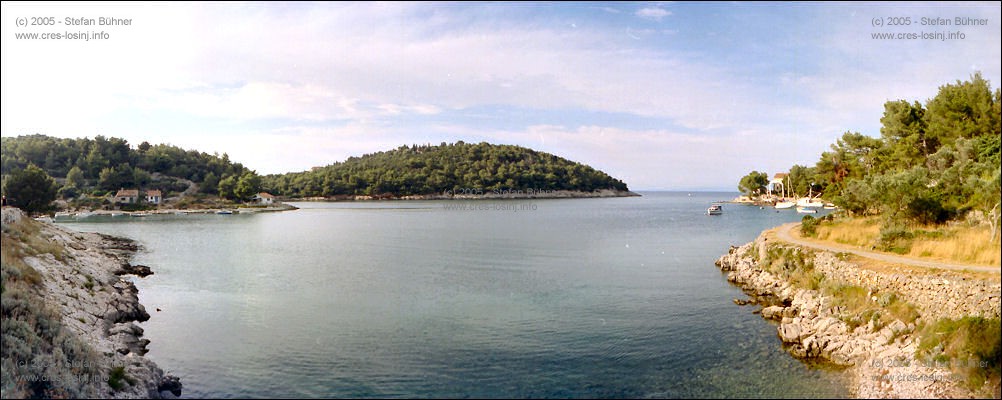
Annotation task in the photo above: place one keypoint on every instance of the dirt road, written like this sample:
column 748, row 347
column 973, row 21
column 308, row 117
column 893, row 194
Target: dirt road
column 783, row 233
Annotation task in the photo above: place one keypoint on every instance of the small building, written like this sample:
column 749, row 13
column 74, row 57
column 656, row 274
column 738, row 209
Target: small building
column 154, row 196
column 264, row 198
column 127, row 196
column 776, row 185
column 132, row 196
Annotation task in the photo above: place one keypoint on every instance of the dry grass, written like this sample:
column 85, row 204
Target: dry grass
column 794, row 264
column 968, row 245
column 955, row 244
column 861, row 232
column 33, row 243
column 11, row 255
column 860, row 306
column 893, row 268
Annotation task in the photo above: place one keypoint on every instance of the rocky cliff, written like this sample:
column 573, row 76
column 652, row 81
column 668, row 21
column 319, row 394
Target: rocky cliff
column 81, row 288
column 880, row 346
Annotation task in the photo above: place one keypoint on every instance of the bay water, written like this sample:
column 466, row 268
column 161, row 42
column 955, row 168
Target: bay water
column 569, row 298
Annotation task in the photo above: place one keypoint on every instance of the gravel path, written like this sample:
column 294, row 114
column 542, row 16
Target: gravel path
column 784, row 234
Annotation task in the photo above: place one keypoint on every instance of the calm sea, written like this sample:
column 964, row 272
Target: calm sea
column 521, row 298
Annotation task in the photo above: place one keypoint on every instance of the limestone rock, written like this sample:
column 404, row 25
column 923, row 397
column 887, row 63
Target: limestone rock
column 773, row 312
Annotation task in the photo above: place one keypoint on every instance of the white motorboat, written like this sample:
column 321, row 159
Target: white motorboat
column 715, row 209
column 807, row 210
column 810, row 203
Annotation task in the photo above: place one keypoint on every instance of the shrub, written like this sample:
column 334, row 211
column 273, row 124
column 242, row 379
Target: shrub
column 35, row 345
column 895, row 238
column 809, row 226
column 970, row 345
column 117, row 378
column 859, row 306
column 927, row 209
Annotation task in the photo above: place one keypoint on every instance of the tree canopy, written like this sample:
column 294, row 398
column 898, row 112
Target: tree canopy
column 932, row 163
column 107, row 164
column 754, row 183
column 30, row 189
column 429, row 169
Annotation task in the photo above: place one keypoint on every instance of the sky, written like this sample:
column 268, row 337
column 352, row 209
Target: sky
column 664, row 96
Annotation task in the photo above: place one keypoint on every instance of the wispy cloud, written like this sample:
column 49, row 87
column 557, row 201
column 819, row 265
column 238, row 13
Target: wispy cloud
column 718, row 87
column 654, row 13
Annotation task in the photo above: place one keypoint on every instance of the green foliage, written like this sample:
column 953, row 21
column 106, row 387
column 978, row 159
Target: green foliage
column 754, row 183
column 227, row 187
column 442, row 169
column 248, row 185
column 895, row 238
column 110, row 163
column 30, row 189
column 904, row 127
column 859, row 306
column 210, row 184
column 809, row 226
column 75, row 178
column 117, row 378
column 971, row 345
column 964, row 110
column 801, row 181
column 121, row 176
column 793, row 264
column 931, row 164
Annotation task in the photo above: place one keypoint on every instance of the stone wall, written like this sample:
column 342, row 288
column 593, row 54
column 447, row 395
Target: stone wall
column 880, row 357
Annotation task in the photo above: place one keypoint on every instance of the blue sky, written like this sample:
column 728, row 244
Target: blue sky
column 672, row 96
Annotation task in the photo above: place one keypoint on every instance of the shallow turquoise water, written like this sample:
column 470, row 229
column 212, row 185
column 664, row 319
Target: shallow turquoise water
column 558, row 298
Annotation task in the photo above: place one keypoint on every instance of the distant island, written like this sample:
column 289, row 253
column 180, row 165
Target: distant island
column 110, row 174
column 447, row 171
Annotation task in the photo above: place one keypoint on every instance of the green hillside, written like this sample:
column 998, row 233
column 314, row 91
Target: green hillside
column 446, row 168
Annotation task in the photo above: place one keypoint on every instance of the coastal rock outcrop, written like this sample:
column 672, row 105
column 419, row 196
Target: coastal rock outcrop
column 141, row 271
column 81, row 278
column 812, row 326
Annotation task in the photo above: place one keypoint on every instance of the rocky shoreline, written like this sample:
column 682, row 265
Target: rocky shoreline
column 880, row 357
column 482, row 195
column 84, row 278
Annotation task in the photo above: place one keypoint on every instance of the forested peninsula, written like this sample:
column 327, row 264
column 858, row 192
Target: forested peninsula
column 447, row 169
column 86, row 174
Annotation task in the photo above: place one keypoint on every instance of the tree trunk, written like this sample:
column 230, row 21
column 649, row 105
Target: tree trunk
column 993, row 221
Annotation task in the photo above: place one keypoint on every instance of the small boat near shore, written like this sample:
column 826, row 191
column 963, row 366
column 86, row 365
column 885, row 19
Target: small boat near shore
column 784, row 205
column 224, row 212
column 807, row 210
column 809, row 202
column 715, row 209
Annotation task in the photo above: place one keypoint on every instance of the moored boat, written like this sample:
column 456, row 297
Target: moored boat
column 785, row 204
column 807, row 210
column 715, row 209
column 809, row 202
